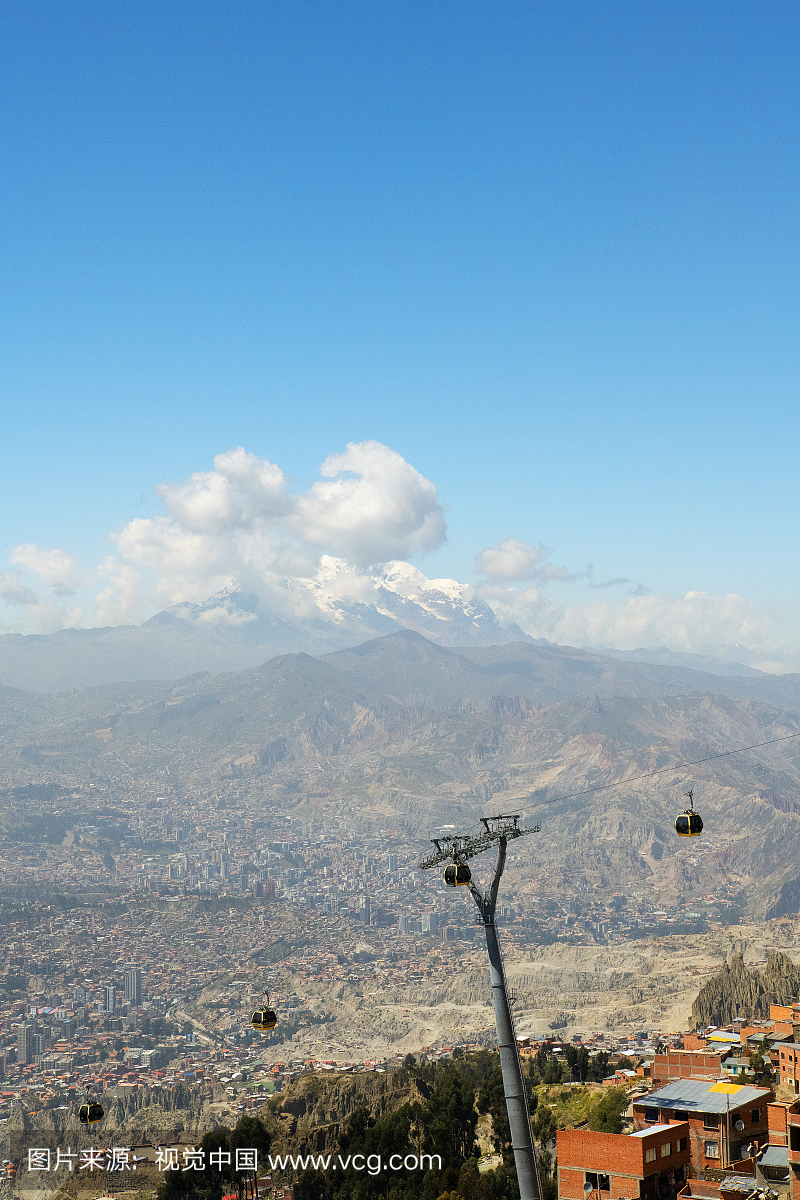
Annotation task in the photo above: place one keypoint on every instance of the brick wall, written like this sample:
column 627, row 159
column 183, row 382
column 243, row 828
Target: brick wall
column 622, row 1157
column 683, row 1064
column 699, row 1135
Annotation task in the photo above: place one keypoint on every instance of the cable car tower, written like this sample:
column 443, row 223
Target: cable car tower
column 498, row 831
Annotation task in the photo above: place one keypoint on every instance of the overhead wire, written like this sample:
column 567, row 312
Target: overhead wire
column 602, row 787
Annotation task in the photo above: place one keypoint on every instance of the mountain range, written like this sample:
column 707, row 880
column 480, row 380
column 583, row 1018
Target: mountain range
column 234, row 630
column 402, row 732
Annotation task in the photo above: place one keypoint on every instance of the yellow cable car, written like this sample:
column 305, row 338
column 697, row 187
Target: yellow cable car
column 90, row 1113
column 264, row 1019
column 689, row 823
column 457, row 875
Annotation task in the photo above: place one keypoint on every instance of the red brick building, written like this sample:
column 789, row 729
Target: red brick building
column 724, row 1119
column 687, row 1064
column 785, row 1058
column 647, row 1165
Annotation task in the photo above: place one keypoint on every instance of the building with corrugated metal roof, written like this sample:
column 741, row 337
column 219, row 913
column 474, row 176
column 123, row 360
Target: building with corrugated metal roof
column 725, row 1119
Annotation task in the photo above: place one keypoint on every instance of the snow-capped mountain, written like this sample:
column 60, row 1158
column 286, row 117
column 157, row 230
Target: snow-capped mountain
column 236, row 628
column 338, row 607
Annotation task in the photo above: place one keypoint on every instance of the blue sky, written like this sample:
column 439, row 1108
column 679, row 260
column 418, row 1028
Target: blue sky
column 545, row 252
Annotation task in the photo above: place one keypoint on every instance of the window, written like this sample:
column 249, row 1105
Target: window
column 651, row 1115
column 682, row 1144
column 599, row 1183
column 712, row 1149
column 680, row 1115
column 710, row 1120
column 666, row 1149
column 650, row 1154
column 755, row 1115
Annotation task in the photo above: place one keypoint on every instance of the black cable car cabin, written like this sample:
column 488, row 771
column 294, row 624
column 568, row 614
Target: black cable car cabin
column 264, row 1019
column 689, row 823
column 457, row 875
column 91, row 1113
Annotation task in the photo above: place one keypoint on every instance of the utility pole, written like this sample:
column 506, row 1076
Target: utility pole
column 458, row 849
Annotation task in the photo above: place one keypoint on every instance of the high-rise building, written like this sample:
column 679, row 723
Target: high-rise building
column 25, row 1043
column 392, row 862
column 110, row 998
column 133, row 986
column 79, row 994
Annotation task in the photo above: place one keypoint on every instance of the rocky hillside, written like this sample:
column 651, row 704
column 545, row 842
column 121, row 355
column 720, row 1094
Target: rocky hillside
column 402, row 732
column 738, row 992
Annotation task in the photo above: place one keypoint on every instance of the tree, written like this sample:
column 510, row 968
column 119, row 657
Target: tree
column 492, row 1099
column 553, row 1072
column 453, row 1117
column 578, row 1060
column 606, row 1112
column 598, row 1067
column 217, row 1174
column 544, row 1126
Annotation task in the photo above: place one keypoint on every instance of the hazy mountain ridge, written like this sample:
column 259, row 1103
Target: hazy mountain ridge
column 401, row 731
column 235, row 630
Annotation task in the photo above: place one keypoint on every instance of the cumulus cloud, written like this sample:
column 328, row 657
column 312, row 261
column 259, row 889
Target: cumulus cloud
column 691, row 621
column 242, row 492
column 375, row 508
column 698, row 621
column 244, row 526
column 61, row 571
column 240, row 525
column 514, row 561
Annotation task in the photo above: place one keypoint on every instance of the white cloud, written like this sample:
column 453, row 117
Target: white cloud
column 695, row 620
column 306, row 553
column 535, row 613
column 513, row 561
column 698, row 622
column 376, row 507
column 63, row 573
column 242, row 492
column 238, row 525
column 121, row 602
column 185, row 565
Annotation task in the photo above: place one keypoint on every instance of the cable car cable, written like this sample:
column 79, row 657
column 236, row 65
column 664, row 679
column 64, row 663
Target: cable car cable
column 663, row 770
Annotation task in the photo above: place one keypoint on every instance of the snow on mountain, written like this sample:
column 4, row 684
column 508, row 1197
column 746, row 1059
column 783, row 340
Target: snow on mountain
column 237, row 628
column 341, row 605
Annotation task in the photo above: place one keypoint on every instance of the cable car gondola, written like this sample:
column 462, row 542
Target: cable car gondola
column 457, row 875
column 91, row 1112
column 689, row 823
column 264, row 1019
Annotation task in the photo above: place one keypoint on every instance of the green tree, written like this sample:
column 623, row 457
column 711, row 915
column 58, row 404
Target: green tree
column 453, row 1118
column 492, row 1100
column 544, row 1126
column 217, row 1175
column 598, row 1067
column 605, row 1115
